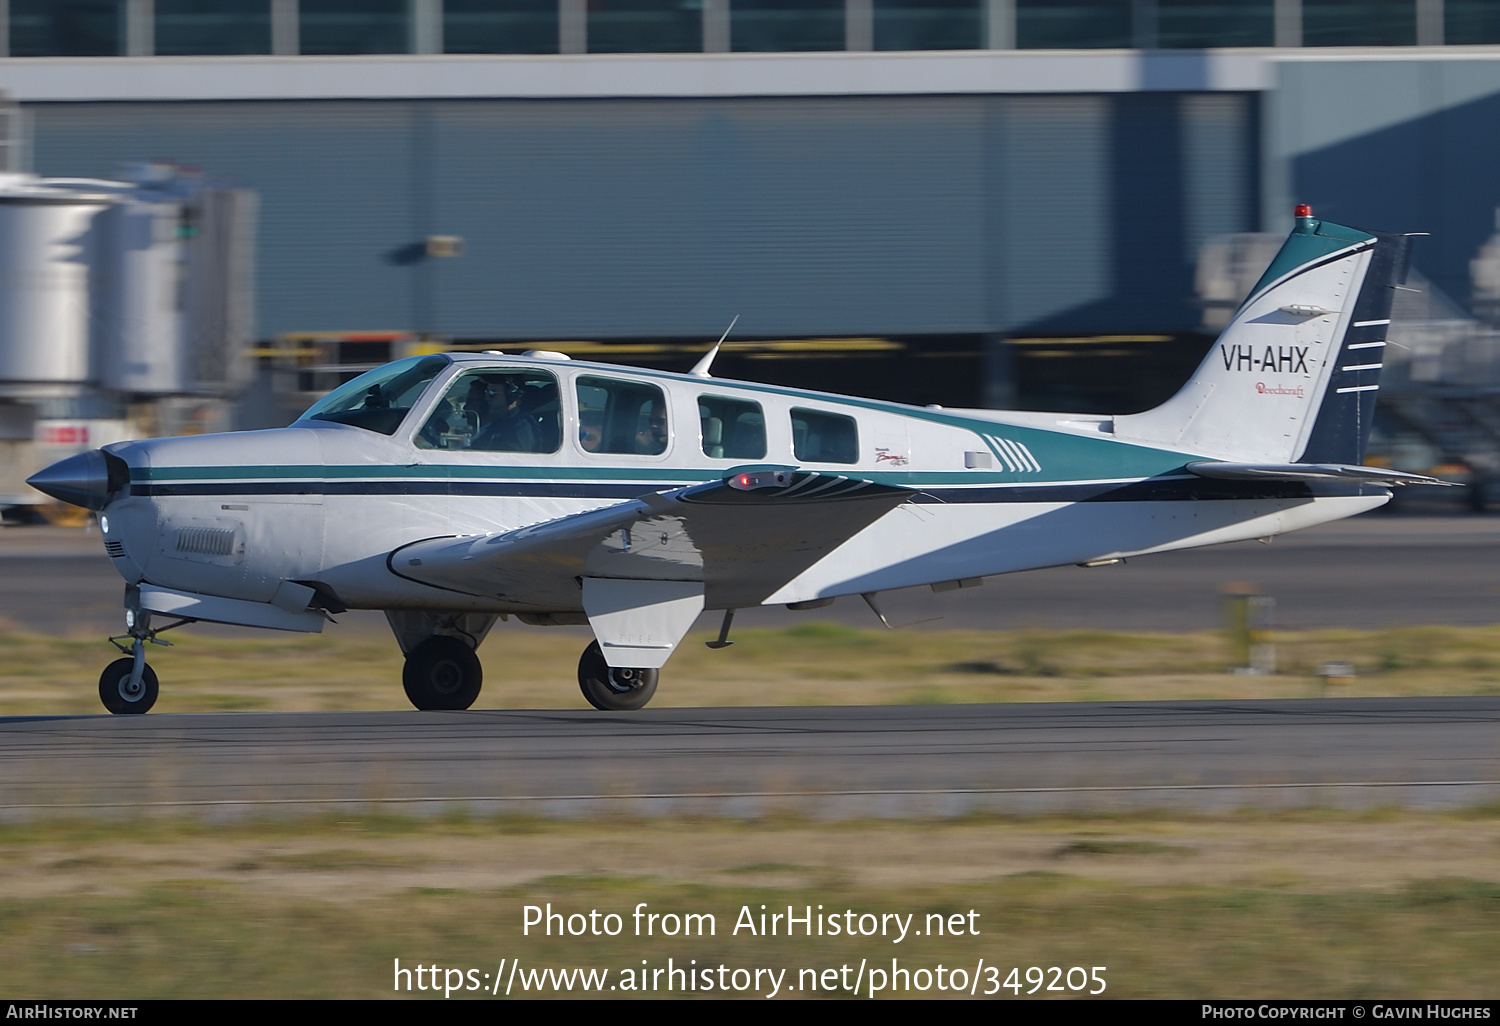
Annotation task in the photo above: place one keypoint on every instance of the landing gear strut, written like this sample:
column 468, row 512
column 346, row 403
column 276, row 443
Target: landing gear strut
column 128, row 686
column 442, row 673
column 616, row 688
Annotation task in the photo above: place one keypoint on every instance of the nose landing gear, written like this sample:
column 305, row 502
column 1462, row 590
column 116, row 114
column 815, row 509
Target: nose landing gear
column 124, row 690
column 128, row 686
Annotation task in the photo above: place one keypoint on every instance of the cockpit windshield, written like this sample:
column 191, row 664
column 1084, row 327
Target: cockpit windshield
column 379, row 400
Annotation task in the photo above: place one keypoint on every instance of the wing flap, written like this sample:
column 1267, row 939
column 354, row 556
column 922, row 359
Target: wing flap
column 1309, row 472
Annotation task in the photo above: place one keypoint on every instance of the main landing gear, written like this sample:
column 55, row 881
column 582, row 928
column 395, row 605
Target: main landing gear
column 613, row 689
column 442, row 673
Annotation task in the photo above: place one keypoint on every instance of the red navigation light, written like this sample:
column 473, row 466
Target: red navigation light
column 754, row 480
column 1302, row 210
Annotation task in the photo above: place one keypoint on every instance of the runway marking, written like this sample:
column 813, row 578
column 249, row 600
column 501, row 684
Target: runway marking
column 675, row 795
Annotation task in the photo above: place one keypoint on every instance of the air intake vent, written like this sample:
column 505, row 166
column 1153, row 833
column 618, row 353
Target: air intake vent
column 205, row 541
column 115, row 549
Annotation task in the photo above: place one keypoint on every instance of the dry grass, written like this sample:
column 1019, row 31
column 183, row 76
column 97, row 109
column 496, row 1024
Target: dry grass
column 1307, row 904
column 811, row 664
column 1386, row 904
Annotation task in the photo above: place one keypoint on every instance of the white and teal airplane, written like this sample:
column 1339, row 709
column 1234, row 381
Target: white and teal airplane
column 450, row 490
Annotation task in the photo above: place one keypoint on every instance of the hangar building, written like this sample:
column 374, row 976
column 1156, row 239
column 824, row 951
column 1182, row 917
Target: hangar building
column 968, row 189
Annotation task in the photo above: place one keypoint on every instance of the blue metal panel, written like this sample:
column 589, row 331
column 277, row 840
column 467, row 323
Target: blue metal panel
column 1050, row 167
column 622, row 218
column 909, row 215
column 1218, row 167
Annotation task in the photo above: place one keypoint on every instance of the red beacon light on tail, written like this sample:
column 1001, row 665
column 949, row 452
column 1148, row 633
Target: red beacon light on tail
column 1302, row 210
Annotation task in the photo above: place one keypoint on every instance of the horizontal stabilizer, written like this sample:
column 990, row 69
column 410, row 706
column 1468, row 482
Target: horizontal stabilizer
column 1309, row 472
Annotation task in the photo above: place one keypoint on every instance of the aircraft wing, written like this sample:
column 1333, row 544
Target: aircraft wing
column 741, row 538
column 1309, row 472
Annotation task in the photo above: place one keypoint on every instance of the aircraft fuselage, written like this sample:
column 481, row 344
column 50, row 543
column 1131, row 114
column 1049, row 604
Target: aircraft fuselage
column 327, row 503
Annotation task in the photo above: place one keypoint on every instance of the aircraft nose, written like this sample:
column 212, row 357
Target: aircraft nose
column 81, row 480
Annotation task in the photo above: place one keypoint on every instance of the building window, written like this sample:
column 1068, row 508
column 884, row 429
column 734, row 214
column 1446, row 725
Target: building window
column 355, row 26
column 733, row 429
column 621, row 417
column 1199, row 24
column 929, row 25
column 824, row 437
column 499, row 26
column 1359, row 22
column 785, row 25
column 1073, row 24
column 645, row 26
column 1470, row 22
column 67, row 28
column 213, row 26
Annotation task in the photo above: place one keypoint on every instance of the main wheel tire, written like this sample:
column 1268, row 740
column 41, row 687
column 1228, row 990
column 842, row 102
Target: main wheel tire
column 613, row 689
column 115, row 690
column 442, row 673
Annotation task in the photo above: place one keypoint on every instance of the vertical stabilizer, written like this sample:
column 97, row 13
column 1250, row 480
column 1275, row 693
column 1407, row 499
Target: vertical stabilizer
column 1293, row 378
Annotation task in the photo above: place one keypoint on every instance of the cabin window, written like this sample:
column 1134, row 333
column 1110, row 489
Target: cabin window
column 733, row 429
column 496, row 411
column 379, row 400
column 819, row 437
column 621, row 417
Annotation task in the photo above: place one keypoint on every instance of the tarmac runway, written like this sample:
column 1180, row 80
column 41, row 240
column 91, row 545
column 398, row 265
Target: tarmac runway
column 924, row 761
column 898, row 761
column 1370, row 571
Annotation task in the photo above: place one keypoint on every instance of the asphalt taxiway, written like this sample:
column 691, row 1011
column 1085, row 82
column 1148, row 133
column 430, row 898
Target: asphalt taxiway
column 899, row 761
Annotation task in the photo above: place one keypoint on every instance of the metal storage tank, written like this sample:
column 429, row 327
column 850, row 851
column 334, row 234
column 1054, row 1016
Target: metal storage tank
column 140, row 298
column 47, row 246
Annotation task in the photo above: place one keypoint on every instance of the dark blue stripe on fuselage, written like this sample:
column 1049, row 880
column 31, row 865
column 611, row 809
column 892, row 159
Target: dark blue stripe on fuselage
column 1172, row 489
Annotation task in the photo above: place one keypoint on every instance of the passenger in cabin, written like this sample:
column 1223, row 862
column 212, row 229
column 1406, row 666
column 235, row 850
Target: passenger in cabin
column 590, row 429
column 651, row 439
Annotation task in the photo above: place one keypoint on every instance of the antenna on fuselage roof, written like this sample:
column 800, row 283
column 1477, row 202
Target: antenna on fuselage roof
column 700, row 369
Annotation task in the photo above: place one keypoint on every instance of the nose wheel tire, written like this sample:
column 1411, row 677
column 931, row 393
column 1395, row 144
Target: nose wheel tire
column 442, row 673
column 116, row 692
column 613, row 689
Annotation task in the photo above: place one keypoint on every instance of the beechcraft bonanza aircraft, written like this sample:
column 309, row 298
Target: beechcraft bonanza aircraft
column 449, row 490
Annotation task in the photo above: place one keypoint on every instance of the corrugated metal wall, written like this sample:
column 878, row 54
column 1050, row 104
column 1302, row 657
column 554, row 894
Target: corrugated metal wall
column 1402, row 146
column 621, row 218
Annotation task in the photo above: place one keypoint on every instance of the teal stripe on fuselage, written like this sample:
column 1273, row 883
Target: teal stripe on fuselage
column 1062, row 458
